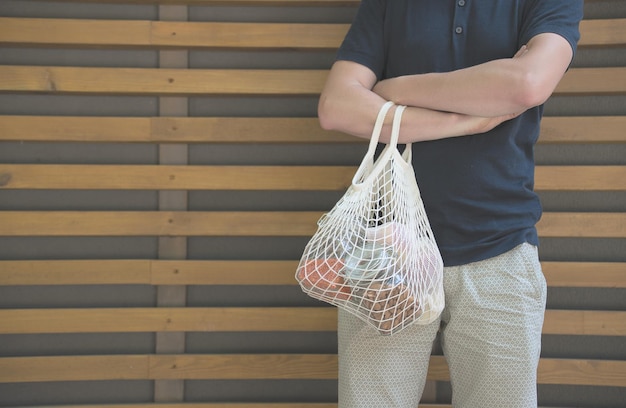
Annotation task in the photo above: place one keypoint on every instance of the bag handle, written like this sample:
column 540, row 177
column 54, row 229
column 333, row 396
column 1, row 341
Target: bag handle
column 389, row 149
column 378, row 127
column 395, row 128
column 371, row 150
column 407, row 154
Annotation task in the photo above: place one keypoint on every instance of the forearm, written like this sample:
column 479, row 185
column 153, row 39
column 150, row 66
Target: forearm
column 491, row 89
column 348, row 104
column 354, row 111
column 418, row 124
column 498, row 87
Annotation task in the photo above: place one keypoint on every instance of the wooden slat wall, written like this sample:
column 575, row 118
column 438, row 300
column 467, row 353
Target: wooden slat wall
column 34, row 286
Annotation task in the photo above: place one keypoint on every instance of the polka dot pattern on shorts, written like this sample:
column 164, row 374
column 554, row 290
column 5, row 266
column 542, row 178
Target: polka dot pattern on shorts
column 491, row 337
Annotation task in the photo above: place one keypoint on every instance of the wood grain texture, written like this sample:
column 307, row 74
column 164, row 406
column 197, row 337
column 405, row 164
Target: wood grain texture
column 166, row 34
column 253, row 178
column 157, row 223
column 249, row 223
column 605, row 32
column 250, row 319
column 162, row 81
column 304, row 82
column 168, row 319
column 582, row 225
column 183, row 177
column 234, row 272
column 585, row 274
column 263, row 366
column 27, row 128
column 585, row 322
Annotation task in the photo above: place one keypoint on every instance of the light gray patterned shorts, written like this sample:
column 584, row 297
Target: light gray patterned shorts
column 490, row 333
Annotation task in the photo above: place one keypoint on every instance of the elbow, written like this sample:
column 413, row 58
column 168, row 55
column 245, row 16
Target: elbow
column 324, row 114
column 533, row 91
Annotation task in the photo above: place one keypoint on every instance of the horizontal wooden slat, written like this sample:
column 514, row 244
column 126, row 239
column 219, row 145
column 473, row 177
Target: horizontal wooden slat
column 585, row 274
column 147, row 272
column 151, row 367
column 585, row 129
column 224, row 272
column 75, row 128
column 255, row 272
column 240, row 367
column 128, row 320
column 585, row 322
column 243, row 130
column 74, row 32
column 593, row 81
column 115, row 33
column 606, row 373
column 136, row 177
column 149, row 81
column 169, row 130
column 293, row 178
column 86, row 368
column 605, row 32
column 582, row 225
column 582, row 129
column 157, row 223
column 246, row 319
column 248, row 223
column 580, row 178
column 247, row 35
column 266, row 366
column 76, row 272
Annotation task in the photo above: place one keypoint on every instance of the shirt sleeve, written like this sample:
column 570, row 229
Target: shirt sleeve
column 364, row 43
column 561, row 17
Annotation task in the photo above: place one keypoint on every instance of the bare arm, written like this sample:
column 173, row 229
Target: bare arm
column 494, row 88
column 349, row 105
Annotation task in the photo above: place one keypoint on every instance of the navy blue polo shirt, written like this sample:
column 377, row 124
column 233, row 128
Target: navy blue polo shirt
column 478, row 189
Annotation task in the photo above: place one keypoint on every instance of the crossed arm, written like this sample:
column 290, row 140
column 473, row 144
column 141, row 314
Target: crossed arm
column 467, row 101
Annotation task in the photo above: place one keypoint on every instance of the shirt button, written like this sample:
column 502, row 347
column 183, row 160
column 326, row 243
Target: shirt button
column 461, row 3
column 458, row 30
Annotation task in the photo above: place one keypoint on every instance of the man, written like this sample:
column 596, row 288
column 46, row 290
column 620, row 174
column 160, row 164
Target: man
column 474, row 75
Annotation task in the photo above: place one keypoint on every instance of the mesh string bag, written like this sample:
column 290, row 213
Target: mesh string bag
column 374, row 253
